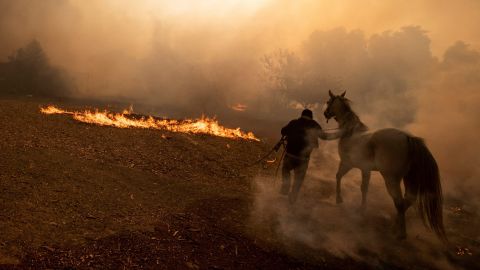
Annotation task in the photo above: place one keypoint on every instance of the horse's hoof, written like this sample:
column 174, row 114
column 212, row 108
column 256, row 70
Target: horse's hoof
column 339, row 200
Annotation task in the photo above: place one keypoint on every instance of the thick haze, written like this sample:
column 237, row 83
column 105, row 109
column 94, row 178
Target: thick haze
column 414, row 65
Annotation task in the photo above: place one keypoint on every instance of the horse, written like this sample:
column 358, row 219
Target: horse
column 396, row 155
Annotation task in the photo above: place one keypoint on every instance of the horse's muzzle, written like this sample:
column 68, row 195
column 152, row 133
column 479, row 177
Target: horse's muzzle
column 327, row 115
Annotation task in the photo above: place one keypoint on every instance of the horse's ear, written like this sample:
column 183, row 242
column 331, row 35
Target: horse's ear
column 343, row 94
column 330, row 93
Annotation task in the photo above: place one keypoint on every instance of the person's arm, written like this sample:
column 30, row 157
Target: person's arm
column 330, row 136
column 326, row 136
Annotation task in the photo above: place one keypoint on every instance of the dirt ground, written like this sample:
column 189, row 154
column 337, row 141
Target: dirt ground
column 80, row 196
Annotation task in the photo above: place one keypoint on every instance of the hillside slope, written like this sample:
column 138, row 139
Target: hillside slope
column 79, row 195
column 85, row 196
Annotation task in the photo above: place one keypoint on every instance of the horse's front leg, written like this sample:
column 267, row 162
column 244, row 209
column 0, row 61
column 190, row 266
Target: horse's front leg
column 364, row 187
column 343, row 169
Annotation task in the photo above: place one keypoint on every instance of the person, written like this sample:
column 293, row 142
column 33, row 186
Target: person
column 301, row 136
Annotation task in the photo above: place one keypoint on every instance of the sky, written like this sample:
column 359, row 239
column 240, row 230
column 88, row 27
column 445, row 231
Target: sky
column 85, row 27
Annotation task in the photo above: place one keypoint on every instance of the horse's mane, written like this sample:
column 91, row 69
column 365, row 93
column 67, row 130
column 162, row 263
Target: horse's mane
column 352, row 123
column 346, row 102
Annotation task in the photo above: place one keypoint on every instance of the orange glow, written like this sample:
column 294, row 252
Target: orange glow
column 239, row 107
column 53, row 110
column 203, row 125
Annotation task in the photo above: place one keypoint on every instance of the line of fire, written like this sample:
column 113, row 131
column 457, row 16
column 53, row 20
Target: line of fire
column 126, row 119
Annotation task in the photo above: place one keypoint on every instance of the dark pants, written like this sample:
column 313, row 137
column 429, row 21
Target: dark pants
column 299, row 167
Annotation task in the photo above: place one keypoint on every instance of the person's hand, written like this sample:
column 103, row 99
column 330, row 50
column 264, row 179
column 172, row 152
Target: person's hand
column 277, row 146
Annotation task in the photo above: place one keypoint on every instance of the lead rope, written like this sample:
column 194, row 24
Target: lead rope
column 279, row 164
column 274, row 149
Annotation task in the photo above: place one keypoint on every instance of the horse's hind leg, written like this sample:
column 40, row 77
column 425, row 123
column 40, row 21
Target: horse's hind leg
column 364, row 187
column 342, row 170
column 410, row 193
column 393, row 187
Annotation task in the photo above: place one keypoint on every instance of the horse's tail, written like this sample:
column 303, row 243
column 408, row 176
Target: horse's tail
column 424, row 178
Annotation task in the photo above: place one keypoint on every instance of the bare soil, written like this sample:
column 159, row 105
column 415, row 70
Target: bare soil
column 79, row 196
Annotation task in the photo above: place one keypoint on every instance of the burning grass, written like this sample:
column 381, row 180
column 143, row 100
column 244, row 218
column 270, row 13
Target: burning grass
column 203, row 125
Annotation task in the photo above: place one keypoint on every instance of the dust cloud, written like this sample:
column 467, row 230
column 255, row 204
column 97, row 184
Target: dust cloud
column 315, row 225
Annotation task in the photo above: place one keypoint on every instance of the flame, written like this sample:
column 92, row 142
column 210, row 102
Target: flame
column 239, row 107
column 203, row 125
column 129, row 110
column 53, row 110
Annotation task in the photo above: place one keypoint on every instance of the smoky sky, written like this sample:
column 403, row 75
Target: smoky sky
column 412, row 65
column 378, row 72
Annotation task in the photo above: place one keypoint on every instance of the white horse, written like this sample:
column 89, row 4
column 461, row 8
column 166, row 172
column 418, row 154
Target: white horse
column 396, row 155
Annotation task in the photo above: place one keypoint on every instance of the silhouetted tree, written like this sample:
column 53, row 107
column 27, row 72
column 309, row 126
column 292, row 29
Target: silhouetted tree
column 290, row 77
column 383, row 69
column 28, row 71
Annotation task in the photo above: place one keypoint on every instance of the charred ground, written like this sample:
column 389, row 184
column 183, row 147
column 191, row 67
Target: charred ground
column 79, row 195
column 85, row 196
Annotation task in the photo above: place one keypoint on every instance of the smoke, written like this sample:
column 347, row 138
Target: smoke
column 316, row 228
column 402, row 65
column 410, row 88
column 403, row 85
column 206, row 55
column 449, row 118
column 317, row 224
column 382, row 69
column 152, row 52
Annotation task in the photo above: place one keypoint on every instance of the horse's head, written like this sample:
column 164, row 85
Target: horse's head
column 336, row 105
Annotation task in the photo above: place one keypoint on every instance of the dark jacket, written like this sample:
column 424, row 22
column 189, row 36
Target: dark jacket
column 302, row 136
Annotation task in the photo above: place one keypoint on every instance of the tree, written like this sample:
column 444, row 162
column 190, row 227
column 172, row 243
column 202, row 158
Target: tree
column 294, row 82
column 29, row 72
column 380, row 73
